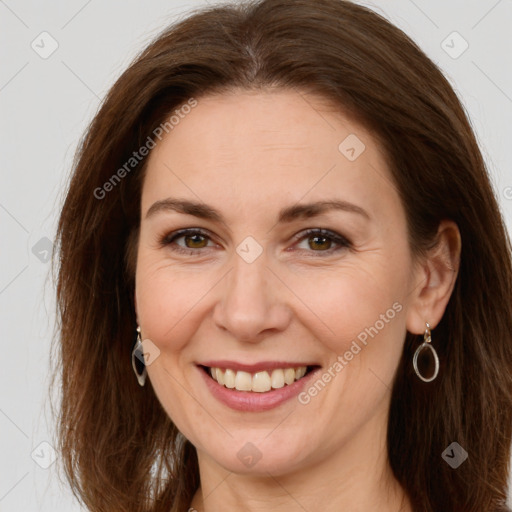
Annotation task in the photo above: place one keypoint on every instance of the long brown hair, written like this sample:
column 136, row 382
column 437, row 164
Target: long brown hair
column 121, row 452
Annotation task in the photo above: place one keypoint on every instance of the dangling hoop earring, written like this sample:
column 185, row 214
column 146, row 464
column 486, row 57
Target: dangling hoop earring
column 427, row 343
column 138, row 364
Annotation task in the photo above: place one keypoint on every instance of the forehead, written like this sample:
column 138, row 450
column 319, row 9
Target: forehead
column 274, row 146
column 239, row 120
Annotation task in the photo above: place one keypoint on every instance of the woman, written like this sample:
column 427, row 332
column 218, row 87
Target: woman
column 281, row 222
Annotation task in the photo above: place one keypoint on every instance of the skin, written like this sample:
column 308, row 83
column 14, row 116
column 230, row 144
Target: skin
column 249, row 154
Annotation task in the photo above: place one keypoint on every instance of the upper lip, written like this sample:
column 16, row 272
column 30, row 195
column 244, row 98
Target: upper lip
column 254, row 367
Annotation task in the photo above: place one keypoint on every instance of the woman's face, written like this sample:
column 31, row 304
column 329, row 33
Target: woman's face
column 255, row 295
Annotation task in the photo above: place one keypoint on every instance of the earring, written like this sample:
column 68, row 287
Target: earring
column 138, row 364
column 427, row 343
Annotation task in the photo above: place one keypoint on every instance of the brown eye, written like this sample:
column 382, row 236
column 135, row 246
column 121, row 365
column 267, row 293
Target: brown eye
column 321, row 241
column 194, row 240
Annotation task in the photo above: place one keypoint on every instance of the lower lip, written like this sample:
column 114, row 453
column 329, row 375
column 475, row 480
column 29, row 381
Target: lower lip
column 252, row 401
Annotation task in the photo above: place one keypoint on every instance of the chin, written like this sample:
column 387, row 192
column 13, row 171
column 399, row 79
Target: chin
column 260, row 454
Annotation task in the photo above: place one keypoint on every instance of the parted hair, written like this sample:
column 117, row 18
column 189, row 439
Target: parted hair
column 120, row 450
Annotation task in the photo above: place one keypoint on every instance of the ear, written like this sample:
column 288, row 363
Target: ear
column 435, row 277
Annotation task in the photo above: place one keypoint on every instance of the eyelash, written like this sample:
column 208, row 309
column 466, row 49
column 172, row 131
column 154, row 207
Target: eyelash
column 169, row 239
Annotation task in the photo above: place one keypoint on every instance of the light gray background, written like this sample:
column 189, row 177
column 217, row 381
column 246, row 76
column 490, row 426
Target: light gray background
column 45, row 107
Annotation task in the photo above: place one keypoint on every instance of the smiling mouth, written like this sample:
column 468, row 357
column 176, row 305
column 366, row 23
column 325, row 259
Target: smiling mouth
column 258, row 382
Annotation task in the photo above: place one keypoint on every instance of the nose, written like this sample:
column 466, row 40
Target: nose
column 252, row 303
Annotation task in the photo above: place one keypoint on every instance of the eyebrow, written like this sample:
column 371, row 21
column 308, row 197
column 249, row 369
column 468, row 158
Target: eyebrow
column 286, row 215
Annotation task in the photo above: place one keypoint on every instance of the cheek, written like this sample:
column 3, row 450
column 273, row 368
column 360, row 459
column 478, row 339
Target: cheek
column 344, row 303
column 167, row 300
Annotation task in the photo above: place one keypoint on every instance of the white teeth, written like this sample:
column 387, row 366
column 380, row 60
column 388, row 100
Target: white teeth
column 229, row 378
column 219, row 376
column 243, row 381
column 289, row 375
column 277, row 379
column 300, row 372
column 260, row 382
